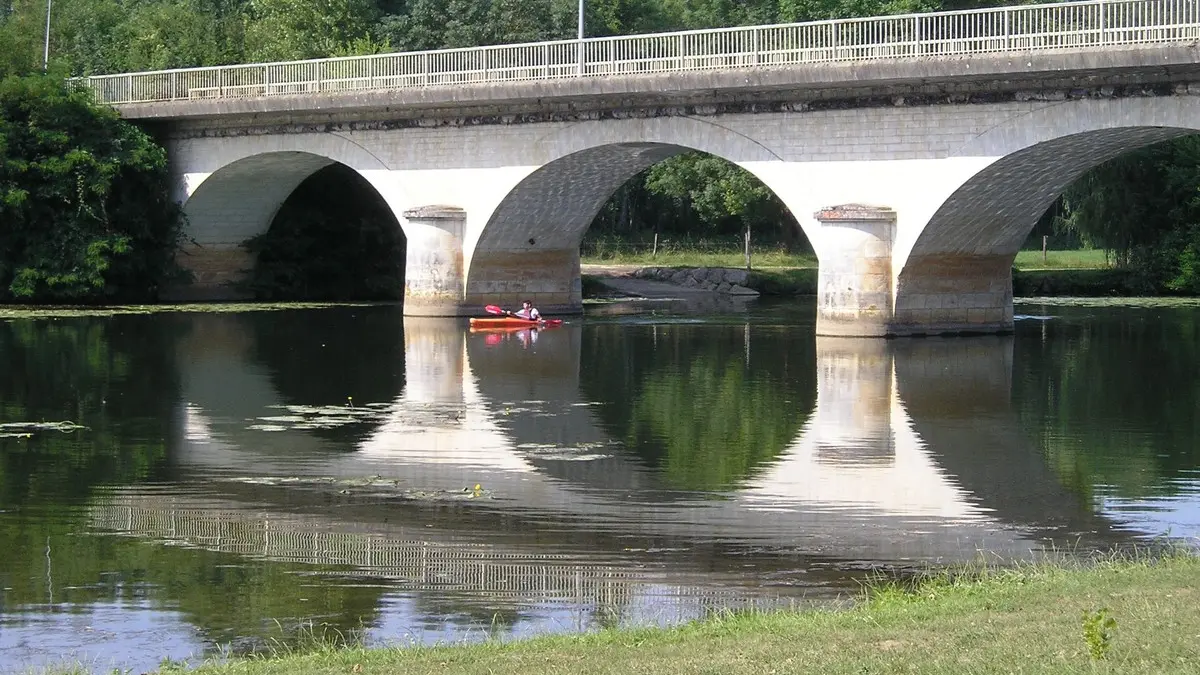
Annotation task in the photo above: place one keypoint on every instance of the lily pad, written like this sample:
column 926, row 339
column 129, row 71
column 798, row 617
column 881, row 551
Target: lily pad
column 14, row 312
column 376, row 487
column 25, row 429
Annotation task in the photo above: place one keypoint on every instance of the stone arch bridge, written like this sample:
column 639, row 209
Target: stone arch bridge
column 916, row 177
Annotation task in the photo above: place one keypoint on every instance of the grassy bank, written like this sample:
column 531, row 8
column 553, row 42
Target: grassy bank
column 1058, row 273
column 777, row 258
column 1037, row 619
column 697, row 258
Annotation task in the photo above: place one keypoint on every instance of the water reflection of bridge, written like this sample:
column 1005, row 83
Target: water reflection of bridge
column 494, row 576
column 861, row 480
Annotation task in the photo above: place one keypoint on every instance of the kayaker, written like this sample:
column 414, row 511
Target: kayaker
column 528, row 312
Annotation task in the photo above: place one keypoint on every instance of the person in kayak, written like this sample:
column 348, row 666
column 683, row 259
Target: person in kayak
column 528, row 312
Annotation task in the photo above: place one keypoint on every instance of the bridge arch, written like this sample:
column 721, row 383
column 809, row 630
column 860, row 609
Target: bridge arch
column 234, row 193
column 957, row 272
column 529, row 243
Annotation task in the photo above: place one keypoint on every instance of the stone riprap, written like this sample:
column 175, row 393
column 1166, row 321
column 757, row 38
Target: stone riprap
column 716, row 279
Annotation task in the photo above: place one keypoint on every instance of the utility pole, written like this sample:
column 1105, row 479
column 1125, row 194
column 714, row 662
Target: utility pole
column 581, row 51
column 46, row 52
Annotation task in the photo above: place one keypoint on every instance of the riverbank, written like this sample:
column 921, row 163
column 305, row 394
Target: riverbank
column 1027, row 283
column 1033, row 619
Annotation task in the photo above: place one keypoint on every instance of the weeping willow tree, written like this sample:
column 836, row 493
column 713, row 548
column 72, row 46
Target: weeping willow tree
column 1143, row 208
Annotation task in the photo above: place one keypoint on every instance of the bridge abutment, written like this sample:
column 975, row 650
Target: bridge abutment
column 219, row 272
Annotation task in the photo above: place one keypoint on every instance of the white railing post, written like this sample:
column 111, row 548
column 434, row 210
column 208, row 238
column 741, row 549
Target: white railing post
column 425, row 69
column 266, row 78
column 1101, row 8
column 1007, row 30
column 754, row 45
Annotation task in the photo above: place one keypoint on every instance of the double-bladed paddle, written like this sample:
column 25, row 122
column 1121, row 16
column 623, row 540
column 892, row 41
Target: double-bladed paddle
column 493, row 309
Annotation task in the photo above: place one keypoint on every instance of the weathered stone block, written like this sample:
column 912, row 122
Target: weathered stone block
column 507, row 277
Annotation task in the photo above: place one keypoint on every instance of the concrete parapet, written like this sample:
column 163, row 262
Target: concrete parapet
column 854, row 286
column 218, row 273
column 433, row 270
column 548, row 278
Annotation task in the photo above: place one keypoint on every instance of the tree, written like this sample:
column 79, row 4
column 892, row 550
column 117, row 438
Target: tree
column 723, row 196
column 19, row 48
column 281, row 30
column 1144, row 208
column 83, row 198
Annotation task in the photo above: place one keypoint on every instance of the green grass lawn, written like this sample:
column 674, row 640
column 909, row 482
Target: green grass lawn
column 686, row 258
column 1025, row 620
column 1062, row 260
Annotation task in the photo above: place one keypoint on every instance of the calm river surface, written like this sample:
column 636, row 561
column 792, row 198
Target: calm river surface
column 244, row 478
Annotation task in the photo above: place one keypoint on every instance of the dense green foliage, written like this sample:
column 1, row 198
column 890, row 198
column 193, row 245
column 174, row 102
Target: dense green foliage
column 1144, row 207
column 83, row 198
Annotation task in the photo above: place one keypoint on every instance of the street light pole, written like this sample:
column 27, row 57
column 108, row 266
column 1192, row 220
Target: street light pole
column 581, row 52
column 46, row 53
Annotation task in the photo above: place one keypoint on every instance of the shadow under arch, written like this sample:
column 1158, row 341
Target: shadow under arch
column 241, row 199
column 238, row 200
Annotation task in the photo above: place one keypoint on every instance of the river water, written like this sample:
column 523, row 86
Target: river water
column 249, row 479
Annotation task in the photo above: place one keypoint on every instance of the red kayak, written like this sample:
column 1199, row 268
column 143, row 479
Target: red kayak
column 509, row 322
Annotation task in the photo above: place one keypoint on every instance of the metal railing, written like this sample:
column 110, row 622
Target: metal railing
column 1069, row 25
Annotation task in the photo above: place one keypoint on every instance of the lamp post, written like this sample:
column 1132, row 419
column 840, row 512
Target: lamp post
column 46, row 52
column 580, row 36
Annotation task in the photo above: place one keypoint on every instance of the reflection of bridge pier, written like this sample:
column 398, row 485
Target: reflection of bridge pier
column 434, row 366
column 852, row 420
